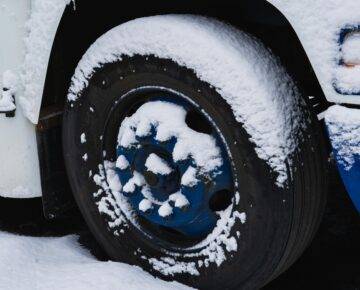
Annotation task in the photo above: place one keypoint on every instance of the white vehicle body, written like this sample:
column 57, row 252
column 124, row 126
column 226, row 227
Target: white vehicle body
column 317, row 23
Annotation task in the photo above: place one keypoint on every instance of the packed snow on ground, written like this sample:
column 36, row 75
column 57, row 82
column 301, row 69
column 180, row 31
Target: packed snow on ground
column 61, row 263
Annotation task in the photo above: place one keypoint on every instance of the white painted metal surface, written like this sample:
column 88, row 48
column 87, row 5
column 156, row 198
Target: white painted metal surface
column 19, row 166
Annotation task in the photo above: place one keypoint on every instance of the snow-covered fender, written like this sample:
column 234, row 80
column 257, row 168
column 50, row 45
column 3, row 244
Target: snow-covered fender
column 319, row 25
column 324, row 27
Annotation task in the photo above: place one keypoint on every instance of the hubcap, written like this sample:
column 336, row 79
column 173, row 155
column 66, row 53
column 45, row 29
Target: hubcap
column 168, row 191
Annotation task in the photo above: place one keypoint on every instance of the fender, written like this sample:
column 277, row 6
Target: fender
column 19, row 164
column 318, row 33
column 25, row 51
column 319, row 25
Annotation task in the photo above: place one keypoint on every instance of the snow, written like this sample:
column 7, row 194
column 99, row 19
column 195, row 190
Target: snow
column 168, row 266
column 318, row 24
column 323, row 51
column 165, row 210
column 42, row 26
column 157, row 165
column 344, row 130
column 145, row 205
column 122, row 163
column 118, row 210
column 136, row 180
column 169, row 121
column 112, row 203
column 10, row 83
column 351, row 49
column 18, row 192
column 348, row 76
column 189, row 177
column 113, row 180
column 61, row 263
column 214, row 249
column 259, row 91
column 179, row 200
column 83, row 138
column 213, row 252
column 348, row 79
column 85, row 157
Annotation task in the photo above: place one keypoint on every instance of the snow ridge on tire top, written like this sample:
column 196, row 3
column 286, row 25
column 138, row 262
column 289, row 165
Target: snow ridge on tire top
column 242, row 70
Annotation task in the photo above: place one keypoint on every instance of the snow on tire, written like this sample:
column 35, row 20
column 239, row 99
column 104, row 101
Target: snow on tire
column 201, row 155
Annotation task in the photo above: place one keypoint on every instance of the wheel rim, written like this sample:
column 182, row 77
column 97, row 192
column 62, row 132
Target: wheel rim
column 161, row 197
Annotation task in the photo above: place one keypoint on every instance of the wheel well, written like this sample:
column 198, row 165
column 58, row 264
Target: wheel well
column 82, row 25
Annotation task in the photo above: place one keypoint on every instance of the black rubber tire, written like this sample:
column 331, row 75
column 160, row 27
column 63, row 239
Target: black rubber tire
column 280, row 221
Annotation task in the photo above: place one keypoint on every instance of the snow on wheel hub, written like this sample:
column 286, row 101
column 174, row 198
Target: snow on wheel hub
column 172, row 174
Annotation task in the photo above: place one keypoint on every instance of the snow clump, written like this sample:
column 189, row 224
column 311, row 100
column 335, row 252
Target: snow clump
column 157, row 165
column 169, row 121
column 10, row 83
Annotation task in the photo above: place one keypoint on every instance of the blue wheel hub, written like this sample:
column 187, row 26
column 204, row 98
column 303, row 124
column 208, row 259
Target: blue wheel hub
column 159, row 195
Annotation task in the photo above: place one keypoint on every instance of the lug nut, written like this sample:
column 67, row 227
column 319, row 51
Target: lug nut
column 185, row 208
column 165, row 210
column 145, row 205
